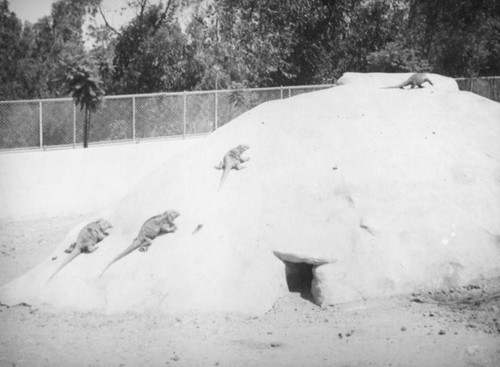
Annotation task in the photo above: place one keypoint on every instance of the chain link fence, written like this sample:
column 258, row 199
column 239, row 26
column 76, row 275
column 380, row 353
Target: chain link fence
column 41, row 124
column 20, row 125
column 488, row 87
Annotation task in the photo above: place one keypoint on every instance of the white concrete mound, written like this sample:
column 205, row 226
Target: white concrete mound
column 368, row 192
column 384, row 80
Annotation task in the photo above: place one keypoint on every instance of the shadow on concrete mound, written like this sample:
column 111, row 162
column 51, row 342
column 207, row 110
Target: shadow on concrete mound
column 299, row 277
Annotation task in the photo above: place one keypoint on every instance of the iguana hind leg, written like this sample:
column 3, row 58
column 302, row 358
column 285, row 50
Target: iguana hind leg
column 70, row 249
column 91, row 249
column 145, row 243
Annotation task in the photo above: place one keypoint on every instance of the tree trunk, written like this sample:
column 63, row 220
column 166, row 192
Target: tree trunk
column 86, row 123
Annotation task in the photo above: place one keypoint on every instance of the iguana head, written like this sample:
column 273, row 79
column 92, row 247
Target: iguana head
column 242, row 147
column 104, row 225
column 171, row 215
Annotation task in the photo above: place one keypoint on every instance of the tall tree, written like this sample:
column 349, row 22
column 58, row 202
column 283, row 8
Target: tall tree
column 33, row 51
column 86, row 90
column 11, row 52
column 261, row 43
column 102, row 52
column 388, row 42
column 459, row 37
column 152, row 54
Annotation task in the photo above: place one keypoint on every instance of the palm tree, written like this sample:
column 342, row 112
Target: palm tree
column 86, row 91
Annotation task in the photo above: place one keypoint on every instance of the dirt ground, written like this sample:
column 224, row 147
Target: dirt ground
column 457, row 327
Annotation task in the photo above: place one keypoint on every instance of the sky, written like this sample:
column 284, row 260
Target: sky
column 32, row 10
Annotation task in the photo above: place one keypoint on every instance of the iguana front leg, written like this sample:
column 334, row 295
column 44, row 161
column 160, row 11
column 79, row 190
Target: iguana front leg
column 92, row 249
column 238, row 166
column 168, row 228
column 101, row 236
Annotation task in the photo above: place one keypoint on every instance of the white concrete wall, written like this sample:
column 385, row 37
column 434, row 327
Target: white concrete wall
column 78, row 181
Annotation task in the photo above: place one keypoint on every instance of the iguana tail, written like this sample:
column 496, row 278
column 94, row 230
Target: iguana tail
column 400, row 85
column 65, row 262
column 224, row 176
column 135, row 245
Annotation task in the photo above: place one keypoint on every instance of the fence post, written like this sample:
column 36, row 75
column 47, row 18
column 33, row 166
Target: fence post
column 493, row 85
column 74, row 126
column 133, row 118
column 184, row 112
column 289, row 92
column 216, row 110
column 41, row 125
column 281, row 92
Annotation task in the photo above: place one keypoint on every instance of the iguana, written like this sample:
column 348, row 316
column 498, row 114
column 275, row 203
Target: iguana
column 86, row 241
column 232, row 160
column 416, row 80
column 152, row 228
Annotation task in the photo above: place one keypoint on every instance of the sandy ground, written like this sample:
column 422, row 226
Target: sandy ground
column 458, row 327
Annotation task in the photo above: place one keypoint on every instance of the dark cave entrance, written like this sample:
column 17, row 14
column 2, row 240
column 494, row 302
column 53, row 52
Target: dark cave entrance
column 299, row 277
